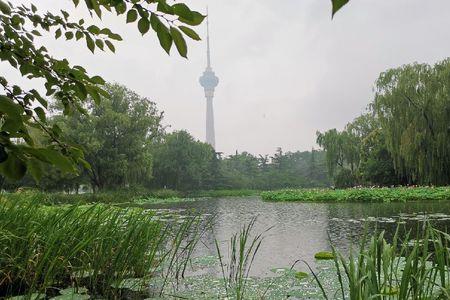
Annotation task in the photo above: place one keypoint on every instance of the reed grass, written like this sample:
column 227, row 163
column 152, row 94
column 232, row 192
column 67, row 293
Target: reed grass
column 47, row 248
column 401, row 269
column 242, row 250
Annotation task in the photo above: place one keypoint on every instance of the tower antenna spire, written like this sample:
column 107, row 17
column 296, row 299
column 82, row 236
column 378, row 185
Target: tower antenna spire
column 208, row 55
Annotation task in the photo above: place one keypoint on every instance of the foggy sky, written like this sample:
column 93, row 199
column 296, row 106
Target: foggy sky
column 286, row 69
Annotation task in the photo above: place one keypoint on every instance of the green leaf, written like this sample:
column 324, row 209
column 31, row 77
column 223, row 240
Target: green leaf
column 38, row 97
column 69, row 35
column 155, row 22
column 94, row 94
column 143, row 25
column 90, row 43
column 99, row 43
column 79, row 35
column 179, row 41
column 165, row 8
column 93, row 29
column 115, row 36
column 40, row 113
column 196, row 19
column 121, row 8
column 165, row 39
column 132, row 15
column 12, row 125
column 9, row 107
column 110, row 46
column 97, row 80
column 13, row 168
column 35, row 168
column 80, row 90
column 183, row 11
column 190, row 33
column 57, row 159
column 5, row 8
column 58, row 33
column 337, row 5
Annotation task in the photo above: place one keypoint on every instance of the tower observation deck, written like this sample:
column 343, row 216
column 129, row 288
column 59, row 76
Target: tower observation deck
column 209, row 81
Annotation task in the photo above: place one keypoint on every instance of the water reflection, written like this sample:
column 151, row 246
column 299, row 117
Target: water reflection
column 299, row 230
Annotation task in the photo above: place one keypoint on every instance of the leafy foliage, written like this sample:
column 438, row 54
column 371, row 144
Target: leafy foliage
column 405, row 138
column 343, row 149
column 181, row 163
column 27, row 140
column 117, row 137
column 414, row 112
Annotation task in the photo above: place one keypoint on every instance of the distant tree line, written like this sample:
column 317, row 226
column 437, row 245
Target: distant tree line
column 405, row 136
column 125, row 145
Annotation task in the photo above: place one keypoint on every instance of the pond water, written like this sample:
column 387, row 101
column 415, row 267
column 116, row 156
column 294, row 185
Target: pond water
column 299, row 230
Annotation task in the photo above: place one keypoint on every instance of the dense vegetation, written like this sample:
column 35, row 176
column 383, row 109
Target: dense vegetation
column 48, row 248
column 398, row 194
column 28, row 141
column 403, row 139
column 406, row 267
column 126, row 147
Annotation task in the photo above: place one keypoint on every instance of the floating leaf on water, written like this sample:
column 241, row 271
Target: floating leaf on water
column 324, row 255
column 301, row 275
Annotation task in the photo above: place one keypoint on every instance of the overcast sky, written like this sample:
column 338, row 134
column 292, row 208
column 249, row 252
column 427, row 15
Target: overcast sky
column 286, row 69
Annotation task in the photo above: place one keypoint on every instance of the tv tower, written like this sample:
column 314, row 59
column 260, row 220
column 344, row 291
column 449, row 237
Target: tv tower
column 209, row 81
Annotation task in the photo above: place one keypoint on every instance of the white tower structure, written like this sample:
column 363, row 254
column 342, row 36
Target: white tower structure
column 209, row 81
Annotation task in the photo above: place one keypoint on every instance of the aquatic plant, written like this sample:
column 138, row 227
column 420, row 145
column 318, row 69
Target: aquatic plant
column 397, row 194
column 48, row 248
column 241, row 254
column 324, row 255
column 402, row 269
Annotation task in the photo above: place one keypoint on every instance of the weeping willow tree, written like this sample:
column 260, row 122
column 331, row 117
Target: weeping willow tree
column 343, row 147
column 413, row 106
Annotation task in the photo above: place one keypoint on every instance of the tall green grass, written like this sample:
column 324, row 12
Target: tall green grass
column 242, row 250
column 401, row 269
column 398, row 194
column 46, row 248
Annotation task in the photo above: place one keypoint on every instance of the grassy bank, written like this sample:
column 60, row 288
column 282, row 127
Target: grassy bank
column 88, row 248
column 223, row 193
column 397, row 194
column 123, row 196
